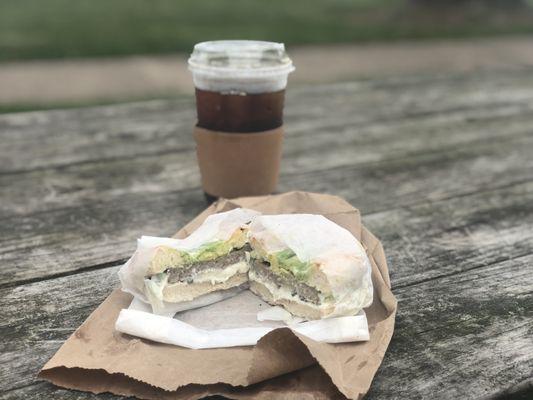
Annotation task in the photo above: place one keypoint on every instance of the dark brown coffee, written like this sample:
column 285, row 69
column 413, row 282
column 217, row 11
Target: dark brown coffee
column 239, row 113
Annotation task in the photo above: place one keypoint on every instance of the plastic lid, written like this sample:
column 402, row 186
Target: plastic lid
column 240, row 66
column 240, row 55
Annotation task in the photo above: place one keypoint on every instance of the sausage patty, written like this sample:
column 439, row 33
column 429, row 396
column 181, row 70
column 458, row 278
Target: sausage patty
column 304, row 292
column 187, row 272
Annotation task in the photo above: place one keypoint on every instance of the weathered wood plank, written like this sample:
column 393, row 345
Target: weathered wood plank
column 43, row 189
column 64, row 137
column 101, row 232
column 51, row 311
column 451, row 262
column 464, row 335
column 86, row 198
column 445, row 237
column 47, row 391
column 417, row 179
column 432, row 156
column 448, row 157
column 162, row 127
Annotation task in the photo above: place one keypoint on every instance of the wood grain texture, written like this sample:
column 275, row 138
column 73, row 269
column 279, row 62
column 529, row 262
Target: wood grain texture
column 440, row 167
column 472, row 328
column 467, row 335
column 66, row 214
column 425, row 107
column 450, row 236
column 99, row 232
column 47, row 391
column 50, row 188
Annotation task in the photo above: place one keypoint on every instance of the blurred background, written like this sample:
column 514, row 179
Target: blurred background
column 62, row 53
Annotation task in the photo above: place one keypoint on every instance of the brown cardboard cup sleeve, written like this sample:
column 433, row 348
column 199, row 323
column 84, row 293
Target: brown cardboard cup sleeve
column 239, row 164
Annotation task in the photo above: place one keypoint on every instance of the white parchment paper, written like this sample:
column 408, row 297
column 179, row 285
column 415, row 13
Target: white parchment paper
column 216, row 227
column 237, row 317
column 233, row 322
column 314, row 238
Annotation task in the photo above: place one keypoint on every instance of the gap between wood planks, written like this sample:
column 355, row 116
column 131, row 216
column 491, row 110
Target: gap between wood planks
column 494, row 188
column 491, row 263
column 405, row 105
column 313, row 173
column 391, row 159
column 95, row 161
column 369, row 214
column 112, row 264
column 22, row 282
column 368, row 162
column 445, row 152
column 357, row 123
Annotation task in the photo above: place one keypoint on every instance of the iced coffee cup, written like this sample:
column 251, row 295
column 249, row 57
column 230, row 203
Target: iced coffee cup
column 240, row 90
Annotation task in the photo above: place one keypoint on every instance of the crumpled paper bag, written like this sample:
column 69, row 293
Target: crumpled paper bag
column 283, row 364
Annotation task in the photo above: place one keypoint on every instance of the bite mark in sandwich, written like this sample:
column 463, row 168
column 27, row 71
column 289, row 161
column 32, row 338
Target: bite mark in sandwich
column 330, row 275
column 178, row 275
column 213, row 258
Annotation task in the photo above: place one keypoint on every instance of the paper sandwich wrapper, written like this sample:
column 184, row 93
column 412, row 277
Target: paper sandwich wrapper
column 239, row 164
column 283, row 364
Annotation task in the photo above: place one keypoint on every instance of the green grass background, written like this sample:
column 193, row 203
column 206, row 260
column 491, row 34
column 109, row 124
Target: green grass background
column 63, row 29
column 33, row 29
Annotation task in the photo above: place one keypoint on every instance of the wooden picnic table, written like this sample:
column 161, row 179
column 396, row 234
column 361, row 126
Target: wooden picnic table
column 441, row 168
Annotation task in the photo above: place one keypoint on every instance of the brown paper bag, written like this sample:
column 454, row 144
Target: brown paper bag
column 238, row 164
column 283, row 364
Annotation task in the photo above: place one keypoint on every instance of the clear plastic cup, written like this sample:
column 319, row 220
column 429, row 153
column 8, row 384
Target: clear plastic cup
column 240, row 84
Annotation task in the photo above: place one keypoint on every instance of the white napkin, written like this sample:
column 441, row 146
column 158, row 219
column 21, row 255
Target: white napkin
column 238, row 321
